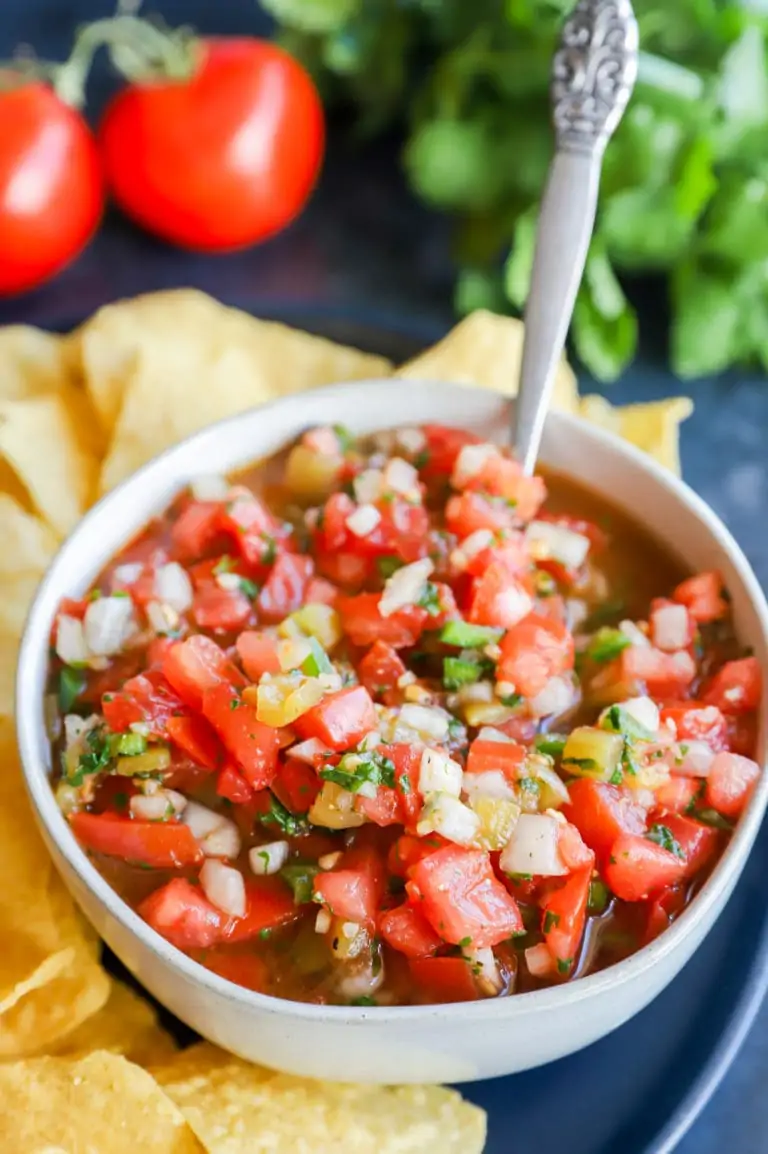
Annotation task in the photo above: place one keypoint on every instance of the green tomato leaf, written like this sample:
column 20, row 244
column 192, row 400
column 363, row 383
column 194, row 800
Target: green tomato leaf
column 705, row 332
column 313, row 15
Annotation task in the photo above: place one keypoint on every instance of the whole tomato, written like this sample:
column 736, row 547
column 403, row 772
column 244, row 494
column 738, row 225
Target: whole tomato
column 51, row 188
column 223, row 158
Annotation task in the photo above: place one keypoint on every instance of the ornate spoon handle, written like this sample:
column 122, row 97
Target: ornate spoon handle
column 593, row 75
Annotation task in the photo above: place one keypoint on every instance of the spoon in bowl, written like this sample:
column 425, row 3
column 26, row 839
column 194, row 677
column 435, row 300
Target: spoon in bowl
column 593, row 74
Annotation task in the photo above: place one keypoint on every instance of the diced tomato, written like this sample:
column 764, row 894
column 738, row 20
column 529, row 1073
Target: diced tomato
column 400, row 805
column 146, row 698
column 730, row 783
column 268, row 904
column 163, row 844
column 572, row 848
column 698, row 842
column 511, row 552
column 663, row 909
column 231, row 784
column 695, row 721
column 736, row 687
column 74, row 608
column 406, row 929
column 677, row 793
column 258, row 653
column 340, row 720
column 564, row 915
column 702, row 595
column 380, row 670
column 443, row 447
column 638, row 867
column 502, row 477
column 250, row 526
column 465, row 513
column 283, row 591
column 253, row 745
column 196, row 738
column 353, row 891
column 158, row 647
column 444, row 979
column 602, row 812
column 534, row 650
column 499, row 598
column 364, row 625
column 321, row 592
column 485, row 756
column 462, row 898
column 408, row 850
column 348, row 570
column 296, row 785
column 742, row 733
column 197, row 664
column 243, row 969
column 221, row 610
column 182, row 914
column 665, row 674
column 196, row 529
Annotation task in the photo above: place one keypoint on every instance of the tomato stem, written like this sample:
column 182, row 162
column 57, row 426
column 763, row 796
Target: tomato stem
column 138, row 49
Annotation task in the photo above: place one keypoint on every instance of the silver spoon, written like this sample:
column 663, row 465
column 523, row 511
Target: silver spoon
column 593, row 75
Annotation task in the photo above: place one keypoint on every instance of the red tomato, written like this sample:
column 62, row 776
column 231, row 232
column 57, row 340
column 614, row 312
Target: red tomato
column 253, row 745
column 698, row 842
column 498, row 598
column 677, row 793
column 602, row 812
column 572, row 849
column 268, row 904
column 196, row 738
column 182, row 914
column 459, row 894
column 406, row 929
column 638, row 867
column 51, row 189
column 197, row 664
column 320, row 592
column 564, row 915
column 283, row 591
column 408, row 850
column 443, row 447
column 444, row 979
column 220, row 610
column 742, row 733
column 146, row 698
column 400, row 805
column 258, row 653
column 243, row 969
column 665, row 674
column 250, row 526
column 485, row 756
column 695, row 721
column 662, row 912
column 353, row 891
column 231, row 784
column 532, row 651
column 730, row 783
column 256, row 122
column 702, row 596
column 503, row 477
column 380, row 670
column 296, row 785
column 736, row 687
column 163, row 844
column 195, row 529
column 363, row 624
column 340, row 720
column 468, row 512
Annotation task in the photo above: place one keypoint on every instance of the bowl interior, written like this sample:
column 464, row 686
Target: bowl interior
column 598, row 460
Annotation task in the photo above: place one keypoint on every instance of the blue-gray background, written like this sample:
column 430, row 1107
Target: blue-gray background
column 366, row 253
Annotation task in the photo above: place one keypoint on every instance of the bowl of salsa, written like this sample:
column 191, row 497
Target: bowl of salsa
column 376, row 759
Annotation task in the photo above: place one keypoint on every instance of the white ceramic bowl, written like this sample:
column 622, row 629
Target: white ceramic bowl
column 410, row 1043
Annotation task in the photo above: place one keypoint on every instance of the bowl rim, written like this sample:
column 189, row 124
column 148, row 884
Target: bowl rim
column 620, row 974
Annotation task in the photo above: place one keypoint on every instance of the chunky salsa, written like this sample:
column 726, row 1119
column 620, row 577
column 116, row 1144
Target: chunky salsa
column 385, row 721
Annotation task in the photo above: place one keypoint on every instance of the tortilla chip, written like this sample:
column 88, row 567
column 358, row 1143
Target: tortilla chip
column 9, row 649
column 33, row 362
column 127, row 1024
column 235, row 1108
column 197, row 342
column 92, row 1105
column 653, row 427
column 486, row 350
column 28, row 545
column 40, row 441
column 16, row 593
column 50, row 978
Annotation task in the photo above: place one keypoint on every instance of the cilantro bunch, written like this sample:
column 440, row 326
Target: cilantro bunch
column 685, row 181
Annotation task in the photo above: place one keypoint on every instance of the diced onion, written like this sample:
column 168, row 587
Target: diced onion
column 127, row 574
column 644, row 711
column 430, row 722
column 328, row 860
column 150, row 807
column 491, row 783
column 470, row 462
column 401, row 477
column 533, row 847
column 449, row 817
column 476, row 542
column 308, row 751
column 218, row 836
column 477, row 691
column 161, row 617
column 549, row 540
column 108, row 623
column 209, row 488
column 692, row 759
column 438, row 773
column 539, row 961
column 269, row 858
column 292, row 654
column 173, row 586
column 364, row 520
column 556, row 697
column 323, row 922
column 488, row 733
column 368, row 486
column 670, row 627
column 512, row 605
column 405, row 586
column 634, row 634
column 224, row 887
column 228, row 581
column 71, row 646
column 411, row 440
column 486, row 970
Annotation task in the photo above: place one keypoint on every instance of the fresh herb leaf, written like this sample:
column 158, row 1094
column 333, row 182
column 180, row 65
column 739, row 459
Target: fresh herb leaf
column 277, row 814
column 564, row 965
column 358, row 767
column 551, row 744
column 511, row 700
column 225, row 564
column 249, row 588
column 598, row 898
column 388, row 565
column 619, row 720
column 662, row 835
column 97, row 758
column 317, row 661
column 300, row 876
column 588, row 763
column 344, row 437
column 710, row 817
column 72, row 682
column 551, row 921
column 430, row 600
column 364, row 1000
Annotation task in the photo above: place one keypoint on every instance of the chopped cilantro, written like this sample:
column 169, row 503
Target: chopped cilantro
column 710, row 817
column 249, row 588
column 71, row 684
column 96, row 759
column 545, row 583
column 265, row 933
column 364, row 1000
column 225, row 564
column 617, row 776
column 620, row 720
column 598, row 898
column 550, row 743
column 353, row 769
column 290, row 823
column 235, row 703
column 422, row 459
column 300, row 876
column 388, row 565
column 404, row 782
column 604, row 614
column 564, row 965
column 662, row 835
column 465, row 942
column 317, row 661
column 94, row 595
column 430, row 600
column 521, row 877
column 344, row 437
column 607, row 644
column 120, row 801
column 588, row 763
column 551, row 921
column 511, row 700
